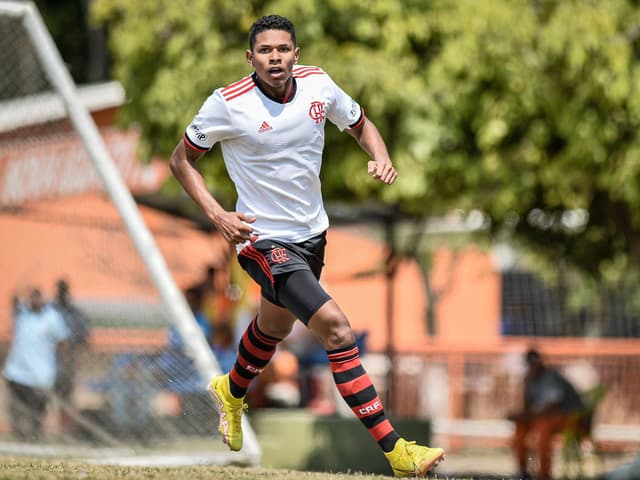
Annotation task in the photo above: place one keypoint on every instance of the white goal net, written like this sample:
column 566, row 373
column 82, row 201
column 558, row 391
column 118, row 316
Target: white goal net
column 129, row 367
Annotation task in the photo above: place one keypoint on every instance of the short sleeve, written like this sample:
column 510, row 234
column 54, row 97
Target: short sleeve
column 344, row 111
column 59, row 329
column 210, row 125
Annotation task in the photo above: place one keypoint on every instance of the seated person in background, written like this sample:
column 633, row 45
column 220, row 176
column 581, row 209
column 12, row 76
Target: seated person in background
column 551, row 405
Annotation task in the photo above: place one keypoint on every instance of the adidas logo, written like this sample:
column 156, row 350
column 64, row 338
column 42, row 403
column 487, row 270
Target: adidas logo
column 265, row 127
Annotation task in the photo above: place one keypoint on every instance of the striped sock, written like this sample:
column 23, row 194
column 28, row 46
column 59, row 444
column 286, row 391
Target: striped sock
column 254, row 352
column 356, row 388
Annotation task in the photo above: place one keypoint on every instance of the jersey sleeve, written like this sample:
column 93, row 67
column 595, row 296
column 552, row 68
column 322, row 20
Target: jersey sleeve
column 344, row 111
column 210, row 125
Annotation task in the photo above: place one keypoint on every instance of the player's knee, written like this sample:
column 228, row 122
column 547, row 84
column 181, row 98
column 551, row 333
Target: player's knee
column 332, row 327
column 339, row 337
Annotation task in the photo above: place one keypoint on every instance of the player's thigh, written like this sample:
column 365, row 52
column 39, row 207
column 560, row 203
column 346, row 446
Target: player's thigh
column 301, row 293
column 274, row 320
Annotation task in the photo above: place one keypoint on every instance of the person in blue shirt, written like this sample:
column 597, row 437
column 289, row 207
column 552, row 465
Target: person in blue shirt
column 31, row 367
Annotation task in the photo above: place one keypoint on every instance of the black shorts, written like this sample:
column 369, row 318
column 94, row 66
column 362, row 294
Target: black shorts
column 288, row 273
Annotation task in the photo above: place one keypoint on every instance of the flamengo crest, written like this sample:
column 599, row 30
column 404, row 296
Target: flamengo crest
column 316, row 111
column 279, row 255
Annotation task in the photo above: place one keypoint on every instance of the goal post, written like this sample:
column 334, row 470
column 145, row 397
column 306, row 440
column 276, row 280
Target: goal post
column 179, row 312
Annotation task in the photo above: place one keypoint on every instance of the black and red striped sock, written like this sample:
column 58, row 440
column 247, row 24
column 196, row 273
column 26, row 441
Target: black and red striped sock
column 356, row 388
column 254, row 352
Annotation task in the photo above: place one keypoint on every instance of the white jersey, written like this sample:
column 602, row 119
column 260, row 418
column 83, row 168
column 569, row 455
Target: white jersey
column 272, row 148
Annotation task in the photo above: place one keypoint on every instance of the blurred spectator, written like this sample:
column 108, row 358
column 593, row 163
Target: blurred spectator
column 175, row 365
column 131, row 395
column 31, row 366
column 194, row 300
column 224, row 347
column 278, row 385
column 628, row 471
column 551, row 405
column 78, row 325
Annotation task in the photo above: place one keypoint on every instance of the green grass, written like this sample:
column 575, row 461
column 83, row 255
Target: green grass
column 46, row 469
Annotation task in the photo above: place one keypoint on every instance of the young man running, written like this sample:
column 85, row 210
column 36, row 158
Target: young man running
column 270, row 126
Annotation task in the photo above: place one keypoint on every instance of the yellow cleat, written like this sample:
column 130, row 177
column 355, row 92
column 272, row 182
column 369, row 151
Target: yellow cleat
column 410, row 460
column 230, row 409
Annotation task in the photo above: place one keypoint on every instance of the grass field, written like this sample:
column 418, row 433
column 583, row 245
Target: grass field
column 41, row 469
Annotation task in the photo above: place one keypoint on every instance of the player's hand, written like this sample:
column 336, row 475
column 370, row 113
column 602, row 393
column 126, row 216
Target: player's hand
column 383, row 171
column 235, row 227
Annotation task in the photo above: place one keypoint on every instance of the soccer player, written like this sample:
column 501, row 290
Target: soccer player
column 270, row 126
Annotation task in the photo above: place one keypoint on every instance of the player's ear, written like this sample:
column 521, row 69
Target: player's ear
column 249, row 56
column 296, row 55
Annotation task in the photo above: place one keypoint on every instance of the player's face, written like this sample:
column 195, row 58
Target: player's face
column 273, row 58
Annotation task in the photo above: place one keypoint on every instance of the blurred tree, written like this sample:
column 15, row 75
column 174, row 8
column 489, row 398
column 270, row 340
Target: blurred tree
column 526, row 110
column 82, row 45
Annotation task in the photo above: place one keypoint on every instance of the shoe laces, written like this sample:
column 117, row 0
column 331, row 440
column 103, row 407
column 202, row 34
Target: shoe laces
column 409, row 444
column 237, row 412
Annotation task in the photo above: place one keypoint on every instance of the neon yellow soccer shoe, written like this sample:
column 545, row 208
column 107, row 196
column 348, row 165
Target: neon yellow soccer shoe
column 230, row 410
column 410, row 460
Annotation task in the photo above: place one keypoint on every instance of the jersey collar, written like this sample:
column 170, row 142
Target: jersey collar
column 287, row 99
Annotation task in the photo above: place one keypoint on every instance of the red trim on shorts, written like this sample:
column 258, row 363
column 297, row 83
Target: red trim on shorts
column 260, row 259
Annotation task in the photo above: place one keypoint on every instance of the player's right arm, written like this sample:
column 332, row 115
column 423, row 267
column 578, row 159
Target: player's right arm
column 234, row 226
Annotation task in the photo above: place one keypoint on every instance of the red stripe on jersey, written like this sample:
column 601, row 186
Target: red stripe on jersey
column 308, row 74
column 345, row 366
column 238, row 93
column 381, row 430
column 299, row 70
column 237, row 85
column 354, row 386
column 192, row 145
column 259, row 258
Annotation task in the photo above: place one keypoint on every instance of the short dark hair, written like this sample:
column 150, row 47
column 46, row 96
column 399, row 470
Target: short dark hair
column 533, row 356
column 62, row 285
column 271, row 22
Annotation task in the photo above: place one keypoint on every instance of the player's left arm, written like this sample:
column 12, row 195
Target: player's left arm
column 368, row 137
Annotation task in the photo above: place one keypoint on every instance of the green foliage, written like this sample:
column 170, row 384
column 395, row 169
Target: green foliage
column 526, row 110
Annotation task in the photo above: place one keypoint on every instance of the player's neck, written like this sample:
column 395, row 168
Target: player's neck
column 282, row 94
